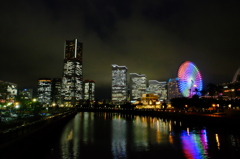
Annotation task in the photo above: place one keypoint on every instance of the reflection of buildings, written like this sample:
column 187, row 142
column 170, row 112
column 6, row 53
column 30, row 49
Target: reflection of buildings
column 56, row 90
column 119, row 84
column 119, row 138
column 72, row 73
column 173, row 89
column 159, row 88
column 26, row 93
column 10, row 91
column 89, row 90
column 138, row 86
column 44, row 90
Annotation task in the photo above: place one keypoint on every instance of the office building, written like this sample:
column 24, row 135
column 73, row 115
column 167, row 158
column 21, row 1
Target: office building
column 44, row 90
column 89, row 90
column 138, row 85
column 72, row 86
column 26, row 94
column 8, row 91
column 119, row 84
column 159, row 88
column 231, row 90
column 173, row 88
column 56, row 91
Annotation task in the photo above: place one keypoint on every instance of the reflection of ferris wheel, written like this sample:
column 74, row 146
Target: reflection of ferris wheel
column 190, row 79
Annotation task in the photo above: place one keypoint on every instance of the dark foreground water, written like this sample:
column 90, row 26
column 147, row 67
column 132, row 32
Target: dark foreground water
column 115, row 136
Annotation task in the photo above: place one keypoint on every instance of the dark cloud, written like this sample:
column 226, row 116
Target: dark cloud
column 149, row 37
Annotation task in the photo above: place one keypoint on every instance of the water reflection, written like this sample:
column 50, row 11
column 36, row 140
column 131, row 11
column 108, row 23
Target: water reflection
column 195, row 144
column 119, row 138
column 79, row 131
column 114, row 135
column 218, row 142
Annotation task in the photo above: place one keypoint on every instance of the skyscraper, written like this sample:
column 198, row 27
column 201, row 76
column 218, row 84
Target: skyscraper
column 138, row 85
column 173, row 88
column 89, row 90
column 44, row 90
column 56, row 90
column 72, row 87
column 119, row 84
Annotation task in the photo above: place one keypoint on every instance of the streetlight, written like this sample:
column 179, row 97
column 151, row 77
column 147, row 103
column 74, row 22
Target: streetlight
column 16, row 104
column 213, row 105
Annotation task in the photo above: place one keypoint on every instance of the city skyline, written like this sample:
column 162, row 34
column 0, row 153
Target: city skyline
column 151, row 38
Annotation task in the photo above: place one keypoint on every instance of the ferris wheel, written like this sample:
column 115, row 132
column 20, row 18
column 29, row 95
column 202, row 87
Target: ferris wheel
column 190, row 79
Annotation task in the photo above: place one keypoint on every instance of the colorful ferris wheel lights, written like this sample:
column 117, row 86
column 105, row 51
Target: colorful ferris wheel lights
column 190, row 79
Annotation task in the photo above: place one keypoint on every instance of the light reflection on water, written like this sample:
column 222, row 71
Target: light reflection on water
column 195, row 144
column 113, row 135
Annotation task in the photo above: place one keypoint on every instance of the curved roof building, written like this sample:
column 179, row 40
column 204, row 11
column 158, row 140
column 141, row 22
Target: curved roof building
column 236, row 76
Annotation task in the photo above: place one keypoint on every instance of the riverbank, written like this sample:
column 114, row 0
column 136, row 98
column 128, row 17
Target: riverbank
column 13, row 139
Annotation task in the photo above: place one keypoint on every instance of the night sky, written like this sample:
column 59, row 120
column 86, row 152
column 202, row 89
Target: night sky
column 152, row 37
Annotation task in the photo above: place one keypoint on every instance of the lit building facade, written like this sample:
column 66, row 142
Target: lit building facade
column 44, row 91
column 119, row 84
column 138, row 85
column 72, row 86
column 89, row 90
column 173, row 88
column 158, row 87
column 26, row 93
column 9, row 91
column 56, row 91
column 148, row 101
column 231, row 90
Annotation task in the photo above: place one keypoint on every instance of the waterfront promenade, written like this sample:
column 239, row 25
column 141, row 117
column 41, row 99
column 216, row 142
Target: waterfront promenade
column 15, row 136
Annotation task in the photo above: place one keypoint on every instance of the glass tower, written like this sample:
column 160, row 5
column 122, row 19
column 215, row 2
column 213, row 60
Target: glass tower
column 72, row 87
column 138, row 86
column 119, row 84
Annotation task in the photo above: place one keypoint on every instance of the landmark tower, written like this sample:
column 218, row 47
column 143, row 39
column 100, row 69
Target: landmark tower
column 72, row 87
